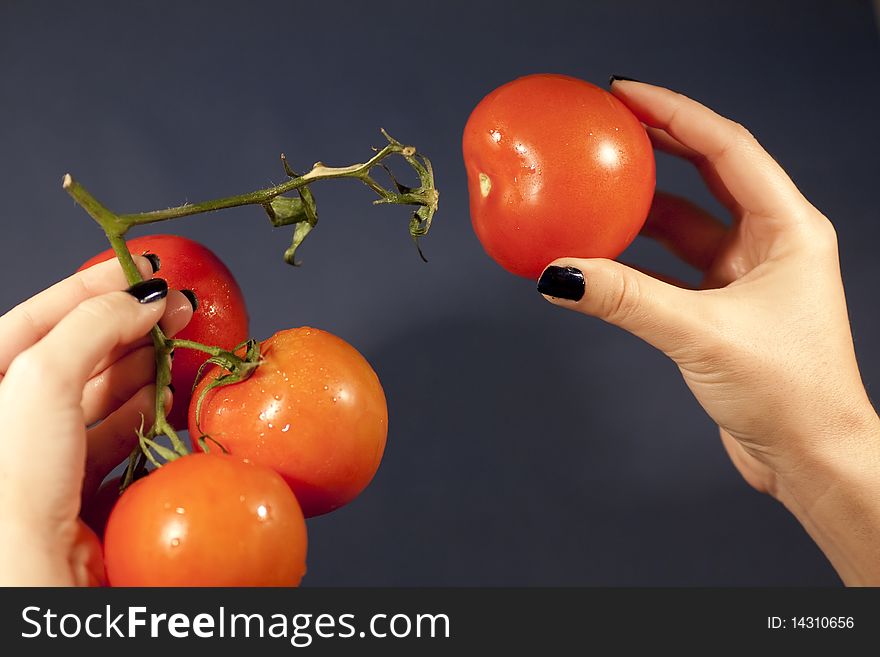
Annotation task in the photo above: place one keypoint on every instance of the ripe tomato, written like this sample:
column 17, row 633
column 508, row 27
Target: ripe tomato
column 220, row 319
column 86, row 560
column 206, row 520
column 555, row 167
column 314, row 411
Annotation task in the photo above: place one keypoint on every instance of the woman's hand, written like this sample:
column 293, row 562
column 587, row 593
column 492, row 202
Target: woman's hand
column 765, row 343
column 76, row 366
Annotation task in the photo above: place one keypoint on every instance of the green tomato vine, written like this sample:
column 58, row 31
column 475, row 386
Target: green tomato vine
column 283, row 209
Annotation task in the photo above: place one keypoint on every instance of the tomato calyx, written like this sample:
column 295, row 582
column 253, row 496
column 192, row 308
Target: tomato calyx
column 237, row 369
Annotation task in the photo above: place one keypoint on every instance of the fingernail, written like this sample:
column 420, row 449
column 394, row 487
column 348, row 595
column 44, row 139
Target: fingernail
column 562, row 283
column 189, row 294
column 614, row 78
column 149, row 291
column 155, row 262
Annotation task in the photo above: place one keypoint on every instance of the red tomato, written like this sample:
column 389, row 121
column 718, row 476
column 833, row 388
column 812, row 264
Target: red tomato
column 314, row 411
column 206, row 520
column 86, row 560
column 556, row 167
column 220, row 319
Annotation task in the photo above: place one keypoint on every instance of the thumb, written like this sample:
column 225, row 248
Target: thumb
column 659, row 313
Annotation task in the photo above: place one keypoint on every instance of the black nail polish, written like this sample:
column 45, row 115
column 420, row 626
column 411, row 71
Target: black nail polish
column 614, row 78
column 189, row 294
column 149, row 291
column 155, row 261
column 562, row 283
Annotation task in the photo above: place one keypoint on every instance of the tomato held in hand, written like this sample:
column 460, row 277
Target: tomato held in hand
column 556, row 167
column 206, row 520
column 314, row 411
column 220, row 317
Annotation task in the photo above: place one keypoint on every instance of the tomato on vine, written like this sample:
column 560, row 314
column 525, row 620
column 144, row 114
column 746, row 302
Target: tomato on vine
column 555, row 167
column 314, row 411
column 206, row 520
column 220, row 317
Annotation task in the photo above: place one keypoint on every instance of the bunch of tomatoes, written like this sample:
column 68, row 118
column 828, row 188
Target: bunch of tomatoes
column 301, row 436
column 556, row 167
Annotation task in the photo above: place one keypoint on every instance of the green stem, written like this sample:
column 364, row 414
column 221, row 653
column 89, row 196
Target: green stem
column 282, row 211
column 176, row 343
column 263, row 196
column 115, row 230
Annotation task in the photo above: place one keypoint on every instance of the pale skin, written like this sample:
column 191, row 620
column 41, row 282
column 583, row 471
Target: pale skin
column 764, row 344
column 75, row 354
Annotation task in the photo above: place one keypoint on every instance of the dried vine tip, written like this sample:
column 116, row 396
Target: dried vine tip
column 66, row 181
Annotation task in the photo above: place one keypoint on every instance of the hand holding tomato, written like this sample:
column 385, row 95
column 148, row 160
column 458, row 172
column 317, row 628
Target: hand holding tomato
column 70, row 356
column 555, row 166
column 765, row 343
column 219, row 315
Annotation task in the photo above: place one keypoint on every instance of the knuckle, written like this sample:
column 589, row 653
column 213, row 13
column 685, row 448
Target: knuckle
column 826, row 234
column 743, row 134
column 31, row 364
column 621, row 299
column 103, row 307
column 818, row 233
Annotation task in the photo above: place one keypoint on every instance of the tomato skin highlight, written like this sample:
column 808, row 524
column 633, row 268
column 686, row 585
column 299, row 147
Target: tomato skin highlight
column 221, row 318
column 206, row 520
column 314, row 411
column 556, row 167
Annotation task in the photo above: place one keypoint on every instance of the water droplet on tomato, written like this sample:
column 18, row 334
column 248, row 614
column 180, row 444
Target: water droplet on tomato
column 286, row 428
column 175, row 542
column 180, row 510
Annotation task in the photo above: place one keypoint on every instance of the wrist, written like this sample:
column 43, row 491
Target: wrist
column 835, row 494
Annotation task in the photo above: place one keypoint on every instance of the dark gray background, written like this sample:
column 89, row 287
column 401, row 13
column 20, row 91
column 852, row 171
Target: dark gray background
column 528, row 445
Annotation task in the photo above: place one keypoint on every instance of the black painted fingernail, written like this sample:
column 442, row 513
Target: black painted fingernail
column 189, row 294
column 562, row 283
column 155, row 262
column 614, row 78
column 149, row 291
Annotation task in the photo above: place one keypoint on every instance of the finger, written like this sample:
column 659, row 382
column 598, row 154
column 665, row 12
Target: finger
column 72, row 349
column 178, row 313
column 670, row 280
column 110, row 442
column 754, row 179
column 663, row 142
column 29, row 321
column 110, row 389
column 687, row 230
column 646, row 307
